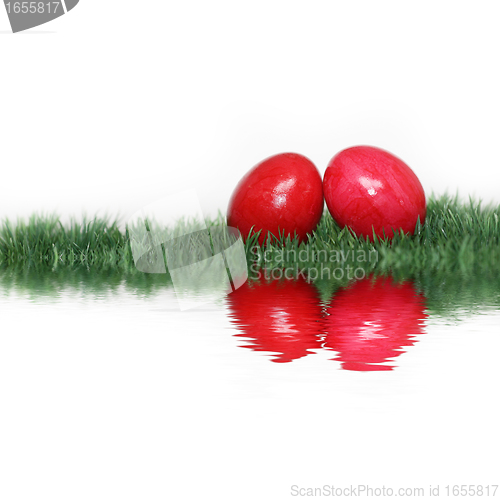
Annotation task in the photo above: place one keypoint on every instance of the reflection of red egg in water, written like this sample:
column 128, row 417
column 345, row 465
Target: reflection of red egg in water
column 371, row 321
column 280, row 316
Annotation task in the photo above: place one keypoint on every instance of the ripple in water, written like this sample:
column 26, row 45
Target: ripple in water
column 283, row 317
column 371, row 321
column 368, row 323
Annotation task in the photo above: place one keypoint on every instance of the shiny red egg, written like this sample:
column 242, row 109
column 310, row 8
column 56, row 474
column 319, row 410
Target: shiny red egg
column 371, row 190
column 282, row 195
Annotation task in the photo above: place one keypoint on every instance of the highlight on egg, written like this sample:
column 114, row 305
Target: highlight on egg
column 282, row 195
column 373, row 192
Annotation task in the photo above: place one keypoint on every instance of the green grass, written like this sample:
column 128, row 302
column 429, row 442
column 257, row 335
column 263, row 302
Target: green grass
column 454, row 258
column 454, row 233
column 44, row 241
column 455, row 236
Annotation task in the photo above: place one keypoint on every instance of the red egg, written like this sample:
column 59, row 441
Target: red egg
column 282, row 194
column 371, row 190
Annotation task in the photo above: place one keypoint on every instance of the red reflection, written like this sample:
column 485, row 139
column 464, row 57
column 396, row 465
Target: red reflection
column 282, row 317
column 371, row 321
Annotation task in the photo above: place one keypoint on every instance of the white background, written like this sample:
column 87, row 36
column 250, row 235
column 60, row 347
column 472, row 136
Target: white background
column 119, row 103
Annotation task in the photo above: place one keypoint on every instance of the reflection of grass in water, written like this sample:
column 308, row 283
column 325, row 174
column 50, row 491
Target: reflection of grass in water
column 448, row 294
column 454, row 258
column 451, row 295
column 459, row 294
column 43, row 282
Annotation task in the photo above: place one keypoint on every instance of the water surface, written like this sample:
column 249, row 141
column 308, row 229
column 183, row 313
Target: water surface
column 105, row 384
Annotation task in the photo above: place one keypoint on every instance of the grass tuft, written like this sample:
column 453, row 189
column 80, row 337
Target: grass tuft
column 44, row 241
column 453, row 258
column 455, row 236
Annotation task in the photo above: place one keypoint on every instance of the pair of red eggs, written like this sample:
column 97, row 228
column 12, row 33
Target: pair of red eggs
column 366, row 188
